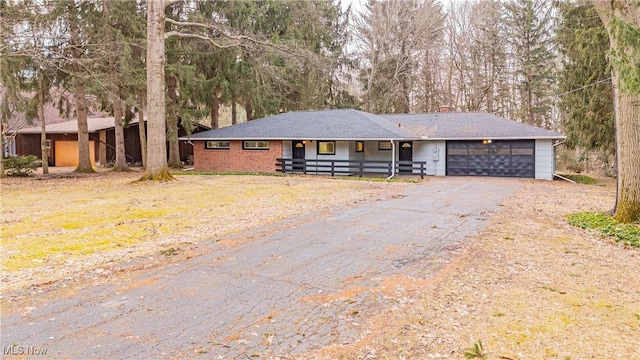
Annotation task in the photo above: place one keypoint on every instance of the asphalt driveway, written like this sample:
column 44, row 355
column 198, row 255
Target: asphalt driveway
column 275, row 291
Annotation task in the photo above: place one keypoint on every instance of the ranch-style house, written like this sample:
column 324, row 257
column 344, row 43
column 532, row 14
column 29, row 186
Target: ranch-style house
column 353, row 142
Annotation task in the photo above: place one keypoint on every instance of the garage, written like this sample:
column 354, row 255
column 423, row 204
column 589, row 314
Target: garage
column 66, row 153
column 500, row 158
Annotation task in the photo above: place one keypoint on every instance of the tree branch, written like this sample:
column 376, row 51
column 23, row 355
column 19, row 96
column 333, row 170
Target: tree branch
column 168, row 3
column 238, row 40
column 201, row 37
column 189, row 23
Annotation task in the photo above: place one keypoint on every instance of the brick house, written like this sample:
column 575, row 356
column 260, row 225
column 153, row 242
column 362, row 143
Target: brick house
column 352, row 142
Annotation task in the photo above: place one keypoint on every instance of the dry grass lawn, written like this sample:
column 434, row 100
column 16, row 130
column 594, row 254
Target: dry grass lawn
column 54, row 228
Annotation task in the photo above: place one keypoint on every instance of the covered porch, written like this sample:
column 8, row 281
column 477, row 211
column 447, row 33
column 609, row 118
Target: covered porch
column 355, row 157
column 358, row 168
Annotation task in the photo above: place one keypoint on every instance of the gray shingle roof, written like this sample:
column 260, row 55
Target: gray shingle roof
column 359, row 125
column 469, row 125
column 341, row 124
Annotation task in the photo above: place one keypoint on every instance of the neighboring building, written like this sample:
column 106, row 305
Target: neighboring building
column 352, row 142
column 63, row 140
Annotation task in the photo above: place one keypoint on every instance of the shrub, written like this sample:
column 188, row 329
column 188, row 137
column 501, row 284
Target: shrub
column 607, row 226
column 581, row 179
column 21, row 166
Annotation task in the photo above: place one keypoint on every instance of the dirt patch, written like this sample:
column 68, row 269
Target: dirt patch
column 529, row 287
column 59, row 227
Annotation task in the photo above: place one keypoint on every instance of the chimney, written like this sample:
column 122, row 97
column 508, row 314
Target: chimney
column 446, row 108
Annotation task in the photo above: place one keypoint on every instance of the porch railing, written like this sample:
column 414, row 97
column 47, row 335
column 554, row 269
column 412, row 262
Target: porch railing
column 349, row 167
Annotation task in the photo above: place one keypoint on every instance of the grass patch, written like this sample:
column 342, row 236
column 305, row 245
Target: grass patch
column 607, row 226
column 475, row 352
column 169, row 252
column 59, row 247
column 357, row 178
column 580, row 179
column 59, row 222
column 226, row 173
column 376, row 179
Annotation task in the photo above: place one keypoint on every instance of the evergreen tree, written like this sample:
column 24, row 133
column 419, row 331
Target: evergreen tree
column 584, row 80
column 530, row 25
column 27, row 65
column 117, row 76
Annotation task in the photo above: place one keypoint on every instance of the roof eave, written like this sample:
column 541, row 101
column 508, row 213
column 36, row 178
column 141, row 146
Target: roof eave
column 221, row 138
column 425, row 138
column 549, row 137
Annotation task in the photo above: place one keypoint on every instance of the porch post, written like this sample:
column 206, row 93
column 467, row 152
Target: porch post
column 393, row 159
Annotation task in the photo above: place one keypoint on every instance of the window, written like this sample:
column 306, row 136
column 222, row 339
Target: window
column 478, row 151
column 359, row 146
column 521, row 151
column 384, row 145
column 216, row 145
column 458, row 151
column 255, row 145
column 501, row 151
column 47, row 144
column 326, row 147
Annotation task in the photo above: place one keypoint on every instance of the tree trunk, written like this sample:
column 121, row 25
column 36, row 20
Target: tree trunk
column 2, row 174
column 142, row 129
column 627, row 113
column 43, row 127
column 174, row 146
column 627, row 108
column 116, row 102
column 234, row 109
column 156, row 168
column 121, row 160
column 84, row 155
column 248, row 109
column 214, row 105
column 172, row 123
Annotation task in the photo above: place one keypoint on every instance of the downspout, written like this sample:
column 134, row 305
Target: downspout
column 393, row 160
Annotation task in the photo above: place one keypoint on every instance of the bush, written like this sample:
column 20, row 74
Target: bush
column 628, row 234
column 21, row 166
column 580, row 179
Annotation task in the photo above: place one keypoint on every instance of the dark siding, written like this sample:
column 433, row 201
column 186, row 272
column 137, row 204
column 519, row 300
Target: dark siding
column 29, row 144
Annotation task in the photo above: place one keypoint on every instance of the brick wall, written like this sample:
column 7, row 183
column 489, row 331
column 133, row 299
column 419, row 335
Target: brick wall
column 236, row 158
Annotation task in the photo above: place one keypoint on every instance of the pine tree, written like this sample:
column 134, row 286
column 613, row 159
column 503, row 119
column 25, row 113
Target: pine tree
column 584, row 80
column 27, row 65
column 530, row 25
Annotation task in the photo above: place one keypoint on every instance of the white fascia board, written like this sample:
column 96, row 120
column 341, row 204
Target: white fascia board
column 294, row 138
column 374, row 139
column 494, row 138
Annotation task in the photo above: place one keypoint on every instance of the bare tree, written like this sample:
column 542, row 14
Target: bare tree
column 391, row 37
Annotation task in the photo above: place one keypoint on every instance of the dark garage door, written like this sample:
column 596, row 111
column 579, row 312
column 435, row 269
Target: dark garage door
column 496, row 158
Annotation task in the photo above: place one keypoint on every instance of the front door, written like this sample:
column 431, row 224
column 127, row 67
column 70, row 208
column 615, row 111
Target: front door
column 405, row 155
column 298, row 155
